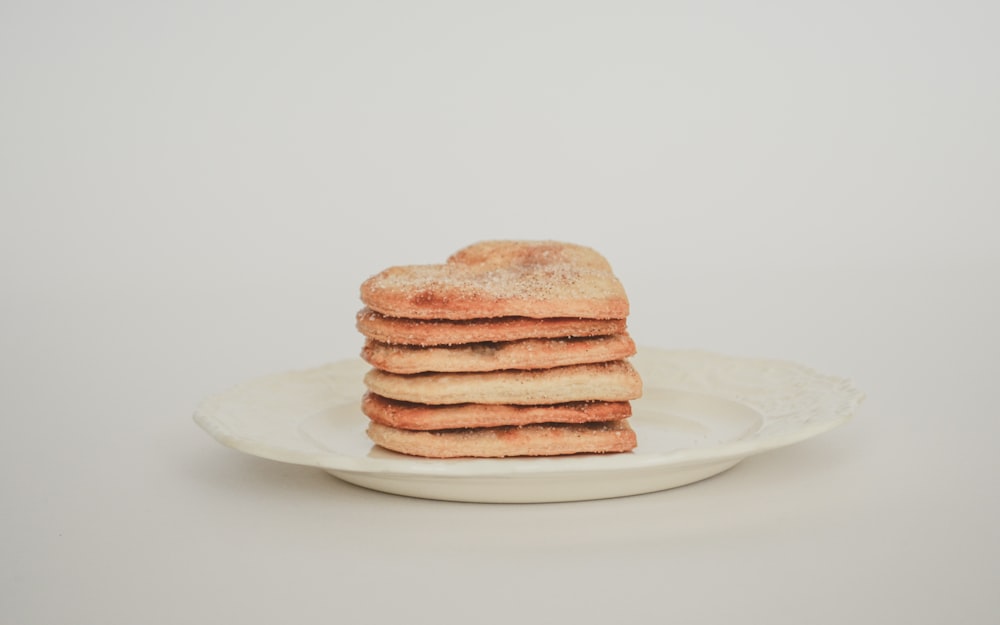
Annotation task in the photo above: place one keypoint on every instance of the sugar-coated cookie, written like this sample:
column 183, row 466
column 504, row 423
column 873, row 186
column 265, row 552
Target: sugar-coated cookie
column 412, row 416
column 607, row 381
column 501, row 279
column 426, row 332
column 495, row 356
column 500, row 442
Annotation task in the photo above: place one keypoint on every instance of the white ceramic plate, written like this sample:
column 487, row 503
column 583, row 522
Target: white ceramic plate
column 700, row 414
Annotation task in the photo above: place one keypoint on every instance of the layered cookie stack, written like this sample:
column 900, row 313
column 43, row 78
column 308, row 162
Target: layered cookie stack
column 510, row 348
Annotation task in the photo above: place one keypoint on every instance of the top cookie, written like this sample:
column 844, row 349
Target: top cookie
column 537, row 279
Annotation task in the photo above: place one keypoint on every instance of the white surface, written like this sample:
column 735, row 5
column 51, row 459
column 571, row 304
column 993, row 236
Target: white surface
column 192, row 192
column 700, row 414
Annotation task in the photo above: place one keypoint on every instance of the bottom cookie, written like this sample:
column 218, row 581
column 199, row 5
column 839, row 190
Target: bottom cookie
column 549, row 439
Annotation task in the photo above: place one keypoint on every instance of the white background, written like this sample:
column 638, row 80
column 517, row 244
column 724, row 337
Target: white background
column 192, row 192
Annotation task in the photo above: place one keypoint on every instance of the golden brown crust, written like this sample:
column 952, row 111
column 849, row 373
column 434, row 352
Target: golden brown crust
column 530, row 440
column 412, row 416
column 495, row 356
column 607, row 381
column 426, row 332
column 537, row 279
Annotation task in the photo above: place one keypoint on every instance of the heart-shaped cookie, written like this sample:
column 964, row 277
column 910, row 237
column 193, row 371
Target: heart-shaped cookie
column 520, row 354
column 430, row 332
column 537, row 279
column 542, row 439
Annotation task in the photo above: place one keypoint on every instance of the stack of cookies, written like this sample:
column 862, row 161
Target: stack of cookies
column 510, row 348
